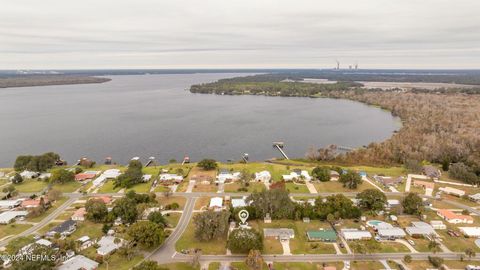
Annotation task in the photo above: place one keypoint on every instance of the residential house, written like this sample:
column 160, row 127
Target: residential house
column 334, row 175
column 240, row 202
column 79, row 214
column 391, row 203
column 388, row 181
column 263, row 176
column 64, row 229
column 171, row 178
column 10, row 216
column 452, row 191
column 454, row 218
column 34, row 203
column 79, row 262
column 216, row 203
column 420, row 229
column 104, row 199
column 438, row 225
column 297, row 175
column 475, row 197
column 324, row 235
column 44, row 176
column 355, row 234
column 84, row 176
column 281, row 234
column 226, row 176
column 107, row 245
column 84, row 242
column 391, row 233
column 10, row 204
column 470, row 231
column 431, row 171
column 29, row 174
column 146, row 178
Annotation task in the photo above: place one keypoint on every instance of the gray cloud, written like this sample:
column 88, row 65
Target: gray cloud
column 234, row 33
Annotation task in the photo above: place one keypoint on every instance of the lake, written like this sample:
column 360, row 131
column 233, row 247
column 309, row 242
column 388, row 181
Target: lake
column 155, row 115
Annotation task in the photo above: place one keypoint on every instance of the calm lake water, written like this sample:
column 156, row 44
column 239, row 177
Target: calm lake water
column 154, row 115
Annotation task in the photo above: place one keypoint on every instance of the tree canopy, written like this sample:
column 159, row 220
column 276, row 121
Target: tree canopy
column 211, row 225
column 275, row 202
column 207, row 164
column 39, row 163
column 244, row 240
column 133, row 175
column 412, row 204
column 146, row 233
column 321, row 174
column 62, row 176
column 96, row 210
column 372, row 199
column 350, row 179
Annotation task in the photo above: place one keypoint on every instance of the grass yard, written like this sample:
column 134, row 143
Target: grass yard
column 164, row 201
column 392, row 247
column 108, row 187
column 252, row 187
column 188, row 241
column 202, row 202
column 67, row 187
column 457, row 244
column 173, row 218
column 362, row 265
column 299, row 244
column 94, row 230
column 205, row 188
column 294, row 188
column 214, row 266
column 141, row 188
column 335, row 186
column 54, row 206
column 48, row 227
column 12, row 229
column 30, row 186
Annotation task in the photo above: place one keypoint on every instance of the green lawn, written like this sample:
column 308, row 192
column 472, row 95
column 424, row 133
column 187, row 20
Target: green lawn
column 12, row 229
column 93, row 230
column 335, row 186
column 67, row 187
column 214, row 266
column 29, row 186
column 119, row 262
column 108, row 188
column 185, row 266
column 299, row 244
column 305, row 265
column 48, row 227
column 173, row 219
column 252, row 187
column 188, row 241
column 54, row 206
column 294, row 188
column 141, row 188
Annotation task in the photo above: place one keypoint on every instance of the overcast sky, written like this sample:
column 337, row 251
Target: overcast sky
column 55, row 34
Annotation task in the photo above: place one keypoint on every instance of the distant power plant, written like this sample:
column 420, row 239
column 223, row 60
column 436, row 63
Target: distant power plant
column 355, row 66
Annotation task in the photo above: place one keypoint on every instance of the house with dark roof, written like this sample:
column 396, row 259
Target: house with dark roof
column 431, row 171
column 64, row 229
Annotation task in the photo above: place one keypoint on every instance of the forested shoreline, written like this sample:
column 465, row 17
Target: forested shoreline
column 438, row 126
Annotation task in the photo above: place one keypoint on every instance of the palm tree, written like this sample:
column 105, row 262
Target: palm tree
column 434, row 246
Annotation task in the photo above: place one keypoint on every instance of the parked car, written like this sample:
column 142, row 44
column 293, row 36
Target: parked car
column 410, row 241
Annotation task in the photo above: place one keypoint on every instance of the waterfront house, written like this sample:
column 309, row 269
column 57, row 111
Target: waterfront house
column 296, row 175
column 263, row 176
column 454, row 218
column 226, row 176
column 167, row 178
column 29, row 174
column 84, row 176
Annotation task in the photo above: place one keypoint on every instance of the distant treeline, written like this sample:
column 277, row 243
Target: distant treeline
column 42, row 80
column 438, row 126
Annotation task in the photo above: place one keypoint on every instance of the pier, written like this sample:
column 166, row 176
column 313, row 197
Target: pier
column 279, row 146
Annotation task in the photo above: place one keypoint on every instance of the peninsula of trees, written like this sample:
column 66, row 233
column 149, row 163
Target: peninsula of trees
column 43, row 80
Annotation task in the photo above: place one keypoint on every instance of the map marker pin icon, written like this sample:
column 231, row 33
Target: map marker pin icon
column 243, row 215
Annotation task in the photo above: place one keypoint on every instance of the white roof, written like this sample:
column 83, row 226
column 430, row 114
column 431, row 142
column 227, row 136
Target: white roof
column 452, row 190
column 146, row 177
column 263, row 174
column 393, row 202
column 355, row 234
column 238, row 203
column 170, row 176
column 44, row 242
column 436, row 222
column 391, row 232
column 9, row 203
column 216, row 202
column 6, row 217
column 470, row 231
column 421, row 224
column 78, row 262
column 84, row 238
column 111, row 173
column 107, row 245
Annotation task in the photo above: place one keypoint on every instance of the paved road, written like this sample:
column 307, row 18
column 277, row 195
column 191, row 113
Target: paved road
column 44, row 221
column 165, row 252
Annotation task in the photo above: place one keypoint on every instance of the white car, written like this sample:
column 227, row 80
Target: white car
column 411, row 242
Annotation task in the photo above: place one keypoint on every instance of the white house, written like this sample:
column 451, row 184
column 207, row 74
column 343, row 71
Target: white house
column 438, row 225
column 216, row 203
column 146, row 177
column 226, row 176
column 297, row 175
column 29, row 175
column 79, row 214
column 470, row 231
column 79, row 262
column 107, row 245
column 263, row 176
column 452, row 191
column 475, row 197
column 10, row 204
column 391, row 233
column 166, row 177
column 420, row 228
column 355, row 234
column 9, row 216
column 392, row 203
column 85, row 242
column 240, row 202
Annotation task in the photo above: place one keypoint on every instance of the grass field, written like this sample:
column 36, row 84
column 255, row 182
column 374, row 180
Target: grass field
column 12, row 229
column 294, row 188
column 93, row 230
column 29, row 186
column 252, row 187
column 305, row 265
column 188, row 241
column 173, row 218
column 186, row 266
column 67, row 187
column 108, row 188
column 334, row 186
column 170, row 200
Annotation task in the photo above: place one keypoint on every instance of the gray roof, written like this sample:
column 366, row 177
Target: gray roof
column 79, row 262
column 391, row 232
column 6, row 217
column 273, row 232
column 64, row 227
